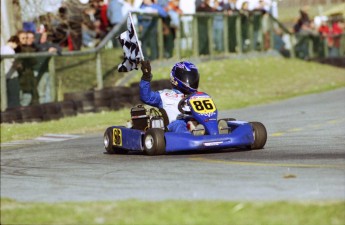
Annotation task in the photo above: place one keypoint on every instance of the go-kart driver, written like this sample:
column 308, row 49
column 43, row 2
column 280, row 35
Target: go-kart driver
column 184, row 78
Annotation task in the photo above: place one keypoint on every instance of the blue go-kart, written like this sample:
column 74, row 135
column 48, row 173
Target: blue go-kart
column 147, row 131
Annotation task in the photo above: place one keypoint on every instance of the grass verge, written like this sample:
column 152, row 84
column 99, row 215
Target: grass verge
column 173, row 212
column 233, row 83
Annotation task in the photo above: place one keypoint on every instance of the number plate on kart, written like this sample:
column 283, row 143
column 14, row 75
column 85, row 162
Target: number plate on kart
column 117, row 137
column 203, row 105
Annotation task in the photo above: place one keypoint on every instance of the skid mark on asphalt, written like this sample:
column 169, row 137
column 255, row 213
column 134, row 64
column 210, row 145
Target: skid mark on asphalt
column 244, row 163
column 42, row 139
column 308, row 127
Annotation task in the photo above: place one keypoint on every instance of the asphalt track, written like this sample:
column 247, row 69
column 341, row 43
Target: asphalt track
column 304, row 159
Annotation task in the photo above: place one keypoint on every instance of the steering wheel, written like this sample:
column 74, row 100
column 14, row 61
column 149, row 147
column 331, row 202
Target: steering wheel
column 181, row 104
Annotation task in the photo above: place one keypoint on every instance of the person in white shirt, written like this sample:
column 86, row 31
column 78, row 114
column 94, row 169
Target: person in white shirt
column 12, row 82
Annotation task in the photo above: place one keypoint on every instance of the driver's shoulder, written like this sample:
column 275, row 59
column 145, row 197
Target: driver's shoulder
column 170, row 93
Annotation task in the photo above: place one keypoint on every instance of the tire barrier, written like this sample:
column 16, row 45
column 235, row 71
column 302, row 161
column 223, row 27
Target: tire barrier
column 336, row 61
column 110, row 98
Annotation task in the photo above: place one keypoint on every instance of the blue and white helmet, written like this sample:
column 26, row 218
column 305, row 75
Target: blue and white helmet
column 184, row 77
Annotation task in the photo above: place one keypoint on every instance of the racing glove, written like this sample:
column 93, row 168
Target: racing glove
column 146, row 69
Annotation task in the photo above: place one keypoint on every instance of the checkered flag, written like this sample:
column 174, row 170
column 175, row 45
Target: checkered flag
column 132, row 53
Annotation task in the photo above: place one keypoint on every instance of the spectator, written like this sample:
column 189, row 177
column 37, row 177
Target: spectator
column 148, row 26
column 171, row 25
column 334, row 38
column 244, row 12
column 91, row 27
column 323, row 34
column 74, row 16
column 218, row 26
column 114, row 12
column 12, row 82
column 303, row 21
column 103, row 16
column 43, row 76
column 261, row 21
column 302, row 30
column 202, row 27
column 27, row 79
column 128, row 6
column 115, row 16
column 279, row 43
column 231, row 10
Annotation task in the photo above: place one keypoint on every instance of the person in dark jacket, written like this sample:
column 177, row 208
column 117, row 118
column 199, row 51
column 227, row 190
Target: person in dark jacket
column 42, row 68
column 27, row 79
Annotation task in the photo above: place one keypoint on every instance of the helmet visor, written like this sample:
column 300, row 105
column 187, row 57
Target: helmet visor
column 190, row 78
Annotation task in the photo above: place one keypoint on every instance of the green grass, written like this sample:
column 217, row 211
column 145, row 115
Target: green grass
column 233, row 83
column 243, row 82
column 173, row 212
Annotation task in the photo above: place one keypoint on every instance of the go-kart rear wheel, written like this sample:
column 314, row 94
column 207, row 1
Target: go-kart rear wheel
column 260, row 135
column 108, row 140
column 229, row 119
column 154, row 142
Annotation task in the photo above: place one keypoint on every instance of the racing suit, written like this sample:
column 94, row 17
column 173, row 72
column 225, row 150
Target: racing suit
column 167, row 99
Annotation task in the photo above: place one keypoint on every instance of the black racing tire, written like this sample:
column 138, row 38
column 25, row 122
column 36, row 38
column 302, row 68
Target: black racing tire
column 260, row 135
column 154, row 142
column 229, row 119
column 108, row 143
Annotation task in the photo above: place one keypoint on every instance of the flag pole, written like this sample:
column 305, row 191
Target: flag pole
column 136, row 36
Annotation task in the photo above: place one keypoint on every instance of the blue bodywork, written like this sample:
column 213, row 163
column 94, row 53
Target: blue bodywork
column 241, row 135
column 204, row 111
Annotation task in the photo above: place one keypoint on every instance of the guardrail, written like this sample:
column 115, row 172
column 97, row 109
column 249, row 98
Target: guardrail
column 240, row 34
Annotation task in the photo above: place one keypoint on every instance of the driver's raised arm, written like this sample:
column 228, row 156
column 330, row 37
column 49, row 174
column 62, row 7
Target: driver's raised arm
column 148, row 96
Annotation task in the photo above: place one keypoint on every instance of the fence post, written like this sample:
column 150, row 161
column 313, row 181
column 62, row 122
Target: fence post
column 342, row 45
column 195, row 37
column 271, row 30
column 51, row 68
column 210, row 34
column 99, row 70
column 178, row 39
column 160, row 38
column 3, row 87
column 251, row 32
column 239, row 34
column 325, row 48
column 310, row 48
column 292, row 47
column 225, row 34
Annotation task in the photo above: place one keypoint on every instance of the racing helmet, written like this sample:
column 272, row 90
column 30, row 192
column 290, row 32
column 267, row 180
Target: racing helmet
column 184, row 77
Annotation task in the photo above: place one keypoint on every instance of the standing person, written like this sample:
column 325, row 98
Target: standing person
column 43, row 76
column 218, row 26
column 27, row 79
column 12, row 82
column 334, row 39
column 148, row 26
column 184, row 78
column 170, row 27
column 74, row 16
column 202, row 27
column 302, row 30
column 114, row 14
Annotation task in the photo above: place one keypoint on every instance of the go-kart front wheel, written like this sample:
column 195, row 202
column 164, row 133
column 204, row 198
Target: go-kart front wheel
column 260, row 135
column 108, row 141
column 154, row 142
